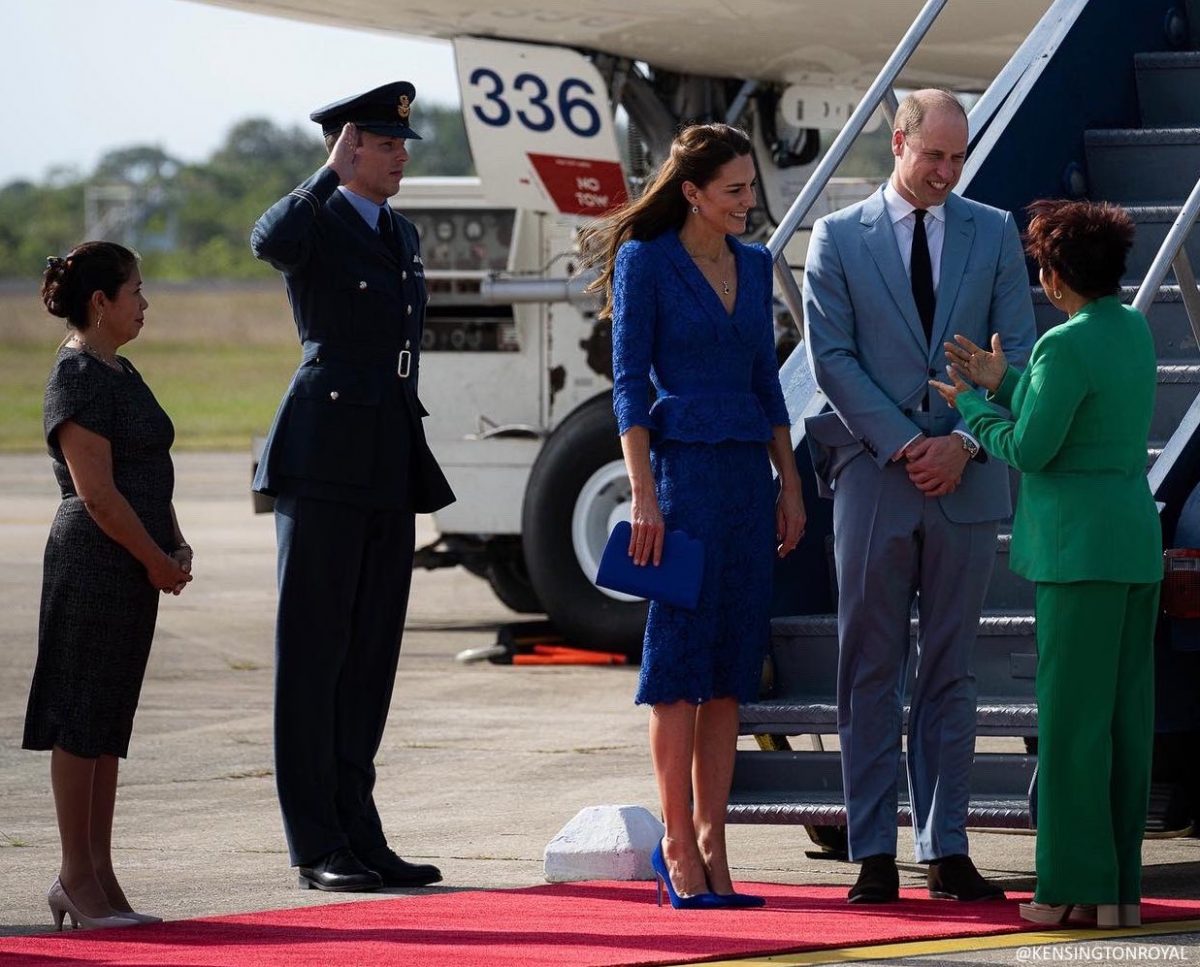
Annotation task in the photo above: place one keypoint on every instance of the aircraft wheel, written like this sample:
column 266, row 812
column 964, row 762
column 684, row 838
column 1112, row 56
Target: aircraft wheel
column 509, row 578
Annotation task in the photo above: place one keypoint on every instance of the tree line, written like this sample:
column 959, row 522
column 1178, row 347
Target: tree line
column 189, row 221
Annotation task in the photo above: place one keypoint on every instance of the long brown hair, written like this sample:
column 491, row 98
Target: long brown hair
column 697, row 153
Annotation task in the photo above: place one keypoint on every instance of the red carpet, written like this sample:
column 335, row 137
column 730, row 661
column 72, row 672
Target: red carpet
column 564, row 925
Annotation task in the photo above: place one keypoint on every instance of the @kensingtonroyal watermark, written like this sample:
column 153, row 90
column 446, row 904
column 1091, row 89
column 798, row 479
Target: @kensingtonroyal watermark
column 1103, row 952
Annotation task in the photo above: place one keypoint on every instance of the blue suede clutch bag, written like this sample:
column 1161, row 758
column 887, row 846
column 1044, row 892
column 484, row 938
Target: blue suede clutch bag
column 676, row 580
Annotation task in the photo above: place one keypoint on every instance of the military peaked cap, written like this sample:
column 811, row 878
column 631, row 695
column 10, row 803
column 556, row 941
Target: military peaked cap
column 386, row 110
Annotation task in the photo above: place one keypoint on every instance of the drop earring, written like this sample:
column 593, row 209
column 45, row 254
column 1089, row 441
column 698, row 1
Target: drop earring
column 100, row 319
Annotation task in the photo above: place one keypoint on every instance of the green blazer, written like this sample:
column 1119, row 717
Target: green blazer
column 1081, row 418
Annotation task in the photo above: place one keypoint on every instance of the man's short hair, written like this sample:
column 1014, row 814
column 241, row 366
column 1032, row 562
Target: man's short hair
column 912, row 110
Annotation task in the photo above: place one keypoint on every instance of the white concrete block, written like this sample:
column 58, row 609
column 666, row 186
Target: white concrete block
column 604, row 843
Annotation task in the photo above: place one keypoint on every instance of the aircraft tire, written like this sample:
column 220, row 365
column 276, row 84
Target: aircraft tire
column 509, row 580
column 574, row 492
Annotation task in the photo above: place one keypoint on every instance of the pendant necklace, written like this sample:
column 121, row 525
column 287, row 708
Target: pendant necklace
column 109, row 361
column 698, row 259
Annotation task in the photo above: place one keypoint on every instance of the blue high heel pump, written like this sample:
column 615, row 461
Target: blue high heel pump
column 740, row 901
column 735, row 900
column 698, row 901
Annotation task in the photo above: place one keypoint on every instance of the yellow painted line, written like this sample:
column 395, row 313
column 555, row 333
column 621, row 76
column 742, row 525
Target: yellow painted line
column 925, row 948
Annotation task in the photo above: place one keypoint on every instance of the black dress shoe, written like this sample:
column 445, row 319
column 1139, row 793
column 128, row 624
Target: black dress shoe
column 878, row 881
column 394, row 871
column 955, row 878
column 339, row 872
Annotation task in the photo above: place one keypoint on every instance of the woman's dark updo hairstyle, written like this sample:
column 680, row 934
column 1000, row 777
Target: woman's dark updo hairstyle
column 1085, row 242
column 698, row 152
column 68, row 283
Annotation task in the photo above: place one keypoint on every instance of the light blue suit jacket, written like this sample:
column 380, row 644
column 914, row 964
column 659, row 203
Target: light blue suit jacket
column 868, row 351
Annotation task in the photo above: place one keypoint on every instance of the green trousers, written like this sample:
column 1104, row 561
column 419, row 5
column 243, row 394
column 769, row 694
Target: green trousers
column 1095, row 692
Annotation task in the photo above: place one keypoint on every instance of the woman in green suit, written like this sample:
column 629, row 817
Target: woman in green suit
column 1086, row 531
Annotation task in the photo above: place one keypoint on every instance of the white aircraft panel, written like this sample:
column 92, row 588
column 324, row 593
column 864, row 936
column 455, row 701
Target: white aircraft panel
column 540, row 127
column 815, row 41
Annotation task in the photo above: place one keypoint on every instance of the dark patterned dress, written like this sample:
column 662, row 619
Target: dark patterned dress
column 98, row 605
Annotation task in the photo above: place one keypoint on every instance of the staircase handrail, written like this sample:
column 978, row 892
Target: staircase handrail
column 799, row 387
column 999, row 101
column 1172, row 252
column 884, row 81
column 1172, row 246
column 1005, row 95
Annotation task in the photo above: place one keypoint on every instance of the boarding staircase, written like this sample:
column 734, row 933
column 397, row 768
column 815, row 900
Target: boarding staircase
column 1144, row 88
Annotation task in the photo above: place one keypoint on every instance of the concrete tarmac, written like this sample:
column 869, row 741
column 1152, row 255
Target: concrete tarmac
column 480, row 764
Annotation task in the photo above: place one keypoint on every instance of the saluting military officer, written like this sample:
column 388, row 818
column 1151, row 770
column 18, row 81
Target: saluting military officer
column 348, row 466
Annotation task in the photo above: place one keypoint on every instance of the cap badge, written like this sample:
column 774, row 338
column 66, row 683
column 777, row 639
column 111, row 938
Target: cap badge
column 402, row 107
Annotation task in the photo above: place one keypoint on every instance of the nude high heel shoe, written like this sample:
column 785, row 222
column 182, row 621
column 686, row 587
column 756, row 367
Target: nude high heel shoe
column 1048, row 913
column 62, row 906
column 139, row 917
column 1130, row 914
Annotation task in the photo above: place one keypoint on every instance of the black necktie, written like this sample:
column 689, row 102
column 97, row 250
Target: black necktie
column 921, row 271
column 384, row 227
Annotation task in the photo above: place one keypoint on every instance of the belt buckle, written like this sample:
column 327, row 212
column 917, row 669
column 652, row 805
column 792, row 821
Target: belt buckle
column 404, row 363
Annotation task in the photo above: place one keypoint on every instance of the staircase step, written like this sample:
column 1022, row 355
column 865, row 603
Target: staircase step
column 1142, row 166
column 1168, row 86
column 1153, row 222
column 820, row 718
column 805, row 788
column 809, row 626
column 1178, row 384
column 802, row 696
column 1006, row 590
column 1169, row 325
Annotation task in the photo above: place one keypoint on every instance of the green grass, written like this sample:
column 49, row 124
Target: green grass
column 218, row 395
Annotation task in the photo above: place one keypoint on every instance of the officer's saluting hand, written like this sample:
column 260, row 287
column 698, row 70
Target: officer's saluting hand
column 343, row 153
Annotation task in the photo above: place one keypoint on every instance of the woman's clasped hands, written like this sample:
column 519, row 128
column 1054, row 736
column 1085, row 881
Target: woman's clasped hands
column 172, row 572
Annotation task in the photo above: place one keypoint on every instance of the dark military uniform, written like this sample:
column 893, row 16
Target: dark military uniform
column 348, row 465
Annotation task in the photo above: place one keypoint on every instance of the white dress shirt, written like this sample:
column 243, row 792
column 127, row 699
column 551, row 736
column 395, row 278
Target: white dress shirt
column 904, row 223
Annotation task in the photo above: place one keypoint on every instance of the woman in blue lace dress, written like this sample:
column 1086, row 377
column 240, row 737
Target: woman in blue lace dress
column 691, row 316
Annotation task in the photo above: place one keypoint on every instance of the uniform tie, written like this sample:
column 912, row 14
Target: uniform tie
column 384, row 226
column 921, row 273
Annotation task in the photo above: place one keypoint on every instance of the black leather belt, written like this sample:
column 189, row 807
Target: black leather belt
column 369, row 358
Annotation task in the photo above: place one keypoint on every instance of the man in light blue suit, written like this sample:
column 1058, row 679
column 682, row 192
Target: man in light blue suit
column 915, row 502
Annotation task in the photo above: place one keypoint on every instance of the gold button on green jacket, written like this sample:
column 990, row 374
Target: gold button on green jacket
column 1080, row 421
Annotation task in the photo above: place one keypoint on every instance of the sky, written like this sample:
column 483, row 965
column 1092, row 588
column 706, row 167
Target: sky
column 80, row 77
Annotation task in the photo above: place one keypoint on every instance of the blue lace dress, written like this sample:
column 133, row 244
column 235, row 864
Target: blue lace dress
column 716, row 399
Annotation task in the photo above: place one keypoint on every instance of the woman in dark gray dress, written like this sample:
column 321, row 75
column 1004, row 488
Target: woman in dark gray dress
column 113, row 546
